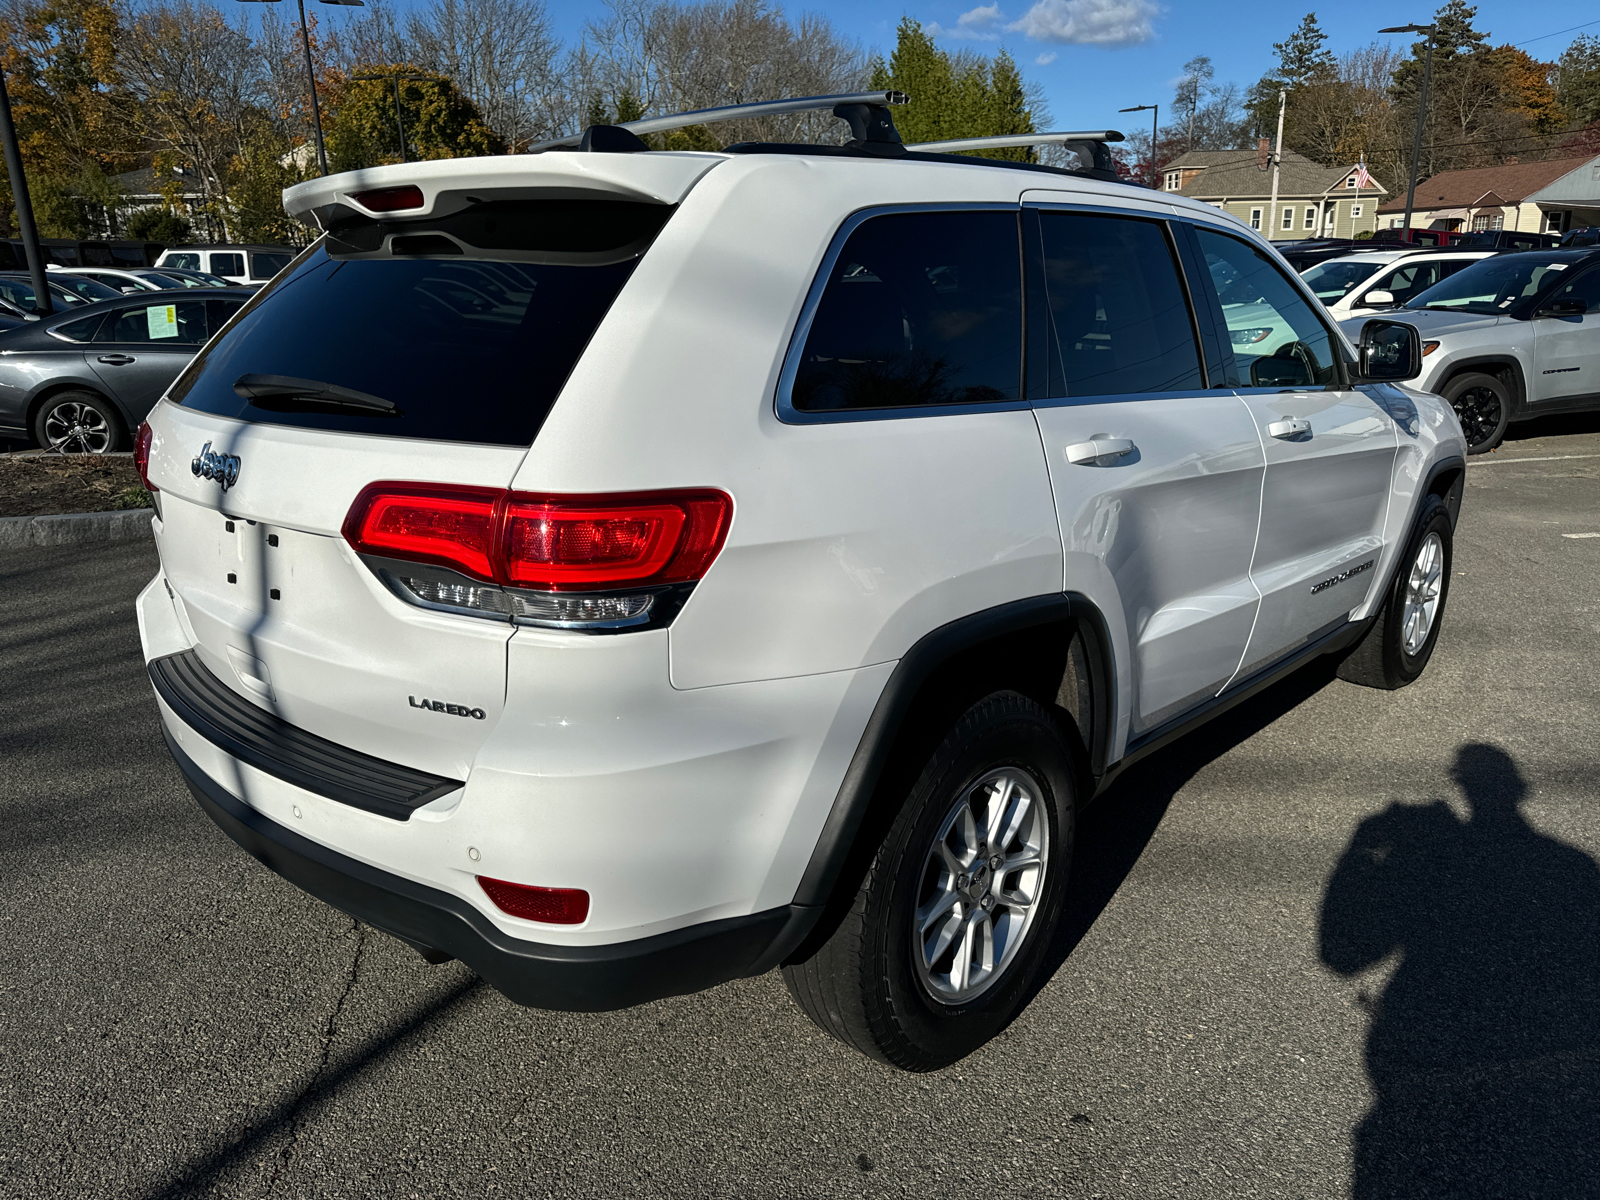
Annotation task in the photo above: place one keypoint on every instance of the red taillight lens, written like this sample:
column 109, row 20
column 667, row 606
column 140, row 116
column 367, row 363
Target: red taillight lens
column 392, row 199
column 553, row 906
column 141, row 455
column 450, row 526
column 549, row 543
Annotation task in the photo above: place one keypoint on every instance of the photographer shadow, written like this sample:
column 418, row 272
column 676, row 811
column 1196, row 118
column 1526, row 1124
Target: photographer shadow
column 1484, row 1049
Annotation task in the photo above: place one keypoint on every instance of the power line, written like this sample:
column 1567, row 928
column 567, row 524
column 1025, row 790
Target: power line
column 1557, row 33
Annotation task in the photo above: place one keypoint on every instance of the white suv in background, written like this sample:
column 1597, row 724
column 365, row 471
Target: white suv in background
column 243, row 266
column 1357, row 284
column 626, row 571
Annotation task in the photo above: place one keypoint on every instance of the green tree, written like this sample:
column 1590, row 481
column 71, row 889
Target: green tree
column 1578, row 79
column 440, row 122
column 968, row 96
column 1303, row 60
column 158, row 224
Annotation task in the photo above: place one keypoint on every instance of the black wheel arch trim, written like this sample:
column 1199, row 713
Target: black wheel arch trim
column 1451, row 495
column 537, row 974
column 856, row 792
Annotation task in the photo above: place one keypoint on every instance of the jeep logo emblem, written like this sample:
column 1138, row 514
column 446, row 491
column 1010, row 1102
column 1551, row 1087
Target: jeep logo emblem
column 210, row 464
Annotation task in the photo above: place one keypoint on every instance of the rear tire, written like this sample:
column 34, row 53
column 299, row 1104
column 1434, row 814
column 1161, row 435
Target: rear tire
column 959, row 906
column 78, row 423
column 1397, row 648
column 1483, row 406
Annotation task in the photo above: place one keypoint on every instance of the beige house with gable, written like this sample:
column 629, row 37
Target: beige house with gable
column 1313, row 200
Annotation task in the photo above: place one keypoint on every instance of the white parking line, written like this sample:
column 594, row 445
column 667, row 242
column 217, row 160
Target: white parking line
column 1580, row 535
column 1500, row 462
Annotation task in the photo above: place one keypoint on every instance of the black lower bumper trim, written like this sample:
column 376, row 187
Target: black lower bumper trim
column 566, row 978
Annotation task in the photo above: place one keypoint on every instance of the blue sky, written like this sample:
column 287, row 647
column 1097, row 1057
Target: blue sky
column 1096, row 56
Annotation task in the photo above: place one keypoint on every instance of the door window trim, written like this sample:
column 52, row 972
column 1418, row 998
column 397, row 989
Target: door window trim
column 783, row 405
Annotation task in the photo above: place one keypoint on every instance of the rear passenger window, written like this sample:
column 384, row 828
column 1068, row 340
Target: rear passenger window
column 1277, row 340
column 179, row 324
column 1113, row 319
column 919, row 309
column 184, row 262
column 227, row 264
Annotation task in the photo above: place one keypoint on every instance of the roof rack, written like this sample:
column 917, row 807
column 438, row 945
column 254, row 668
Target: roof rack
column 1090, row 147
column 867, row 112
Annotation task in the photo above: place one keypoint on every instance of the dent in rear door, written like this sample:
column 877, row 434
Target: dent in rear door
column 1159, row 530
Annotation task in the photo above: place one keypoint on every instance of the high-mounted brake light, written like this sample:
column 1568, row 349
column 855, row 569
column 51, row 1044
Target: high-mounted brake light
column 141, row 455
column 556, row 557
column 553, row 906
column 393, row 199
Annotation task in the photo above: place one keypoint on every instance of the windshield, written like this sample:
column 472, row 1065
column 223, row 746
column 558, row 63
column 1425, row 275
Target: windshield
column 19, row 292
column 468, row 348
column 162, row 281
column 1334, row 279
column 1492, row 285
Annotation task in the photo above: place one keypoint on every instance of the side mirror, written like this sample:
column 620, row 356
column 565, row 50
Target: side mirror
column 1390, row 352
column 1378, row 298
column 1564, row 308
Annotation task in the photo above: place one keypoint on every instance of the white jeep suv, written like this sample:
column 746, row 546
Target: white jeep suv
column 626, row 571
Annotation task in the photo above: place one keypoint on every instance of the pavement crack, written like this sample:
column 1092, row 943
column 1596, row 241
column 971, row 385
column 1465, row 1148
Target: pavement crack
column 330, row 1032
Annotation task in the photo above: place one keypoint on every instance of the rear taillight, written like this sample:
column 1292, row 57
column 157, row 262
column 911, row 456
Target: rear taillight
column 394, row 199
column 553, row 906
column 565, row 561
column 141, row 455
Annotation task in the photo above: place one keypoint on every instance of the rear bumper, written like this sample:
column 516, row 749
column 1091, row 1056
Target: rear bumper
column 568, row 978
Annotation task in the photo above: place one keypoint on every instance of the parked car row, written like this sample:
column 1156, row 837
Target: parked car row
column 1510, row 332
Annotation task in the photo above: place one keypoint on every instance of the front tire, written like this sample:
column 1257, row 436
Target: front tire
column 960, row 903
column 1483, row 406
column 1397, row 648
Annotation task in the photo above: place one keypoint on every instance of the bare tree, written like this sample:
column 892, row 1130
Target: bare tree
column 500, row 53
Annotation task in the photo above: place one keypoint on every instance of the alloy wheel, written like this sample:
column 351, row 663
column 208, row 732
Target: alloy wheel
column 76, row 428
column 1478, row 409
column 982, row 880
column 1423, row 586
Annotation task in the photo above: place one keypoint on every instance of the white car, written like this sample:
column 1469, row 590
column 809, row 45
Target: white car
column 1356, row 284
column 626, row 571
column 121, row 280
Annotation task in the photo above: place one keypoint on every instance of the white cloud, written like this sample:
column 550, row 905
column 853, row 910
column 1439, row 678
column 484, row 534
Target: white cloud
column 1089, row 22
column 978, row 24
column 1044, row 60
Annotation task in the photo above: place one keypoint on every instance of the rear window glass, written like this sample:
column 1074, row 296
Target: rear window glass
column 471, row 346
column 265, row 266
column 919, row 309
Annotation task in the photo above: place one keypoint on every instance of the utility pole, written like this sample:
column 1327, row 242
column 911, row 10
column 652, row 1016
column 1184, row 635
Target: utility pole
column 1422, row 110
column 1277, row 161
column 23, row 204
column 399, row 120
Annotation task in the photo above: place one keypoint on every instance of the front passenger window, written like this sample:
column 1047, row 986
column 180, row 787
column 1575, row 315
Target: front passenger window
column 1277, row 340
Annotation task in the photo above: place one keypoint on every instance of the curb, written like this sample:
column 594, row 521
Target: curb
column 76, row 529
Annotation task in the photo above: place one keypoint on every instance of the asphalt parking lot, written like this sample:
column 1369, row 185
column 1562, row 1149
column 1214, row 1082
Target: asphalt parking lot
column 1341, row 942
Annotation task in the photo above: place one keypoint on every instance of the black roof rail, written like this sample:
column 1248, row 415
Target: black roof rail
column 871, row 126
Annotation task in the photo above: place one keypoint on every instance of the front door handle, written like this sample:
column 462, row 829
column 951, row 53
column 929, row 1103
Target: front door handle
column 117, row 360
column 1292, row 427
column 1101, row 452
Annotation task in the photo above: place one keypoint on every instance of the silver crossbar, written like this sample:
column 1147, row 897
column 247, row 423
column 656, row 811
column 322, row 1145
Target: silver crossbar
column 1012, row 139
column 734, row 112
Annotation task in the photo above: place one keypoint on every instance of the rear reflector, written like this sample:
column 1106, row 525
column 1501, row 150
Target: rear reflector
column 392, row 199
column 553, row 906
column 549, row 543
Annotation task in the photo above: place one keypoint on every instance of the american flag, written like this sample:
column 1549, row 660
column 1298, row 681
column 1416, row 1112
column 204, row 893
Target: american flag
column 1363, row 176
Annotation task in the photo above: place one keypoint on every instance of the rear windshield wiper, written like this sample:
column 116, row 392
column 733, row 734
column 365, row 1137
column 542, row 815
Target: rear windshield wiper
column 283, row 392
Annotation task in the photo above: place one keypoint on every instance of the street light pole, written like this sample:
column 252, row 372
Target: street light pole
column 23, row 204
column 1422, row 110
column 311, row 73
column 1155, row 126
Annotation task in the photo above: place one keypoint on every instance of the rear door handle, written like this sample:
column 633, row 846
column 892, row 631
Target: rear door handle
column 1292, row 427
column 118, row 360
column 1101, row 452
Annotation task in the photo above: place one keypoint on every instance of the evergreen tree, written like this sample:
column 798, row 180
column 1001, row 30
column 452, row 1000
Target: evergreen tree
column 1578, row 80
column 1453, row 33
column 1008, row 108
column 1304, row 56
column 966, row 96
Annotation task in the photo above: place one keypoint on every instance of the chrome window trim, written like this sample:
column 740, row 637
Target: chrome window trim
column 783, row 405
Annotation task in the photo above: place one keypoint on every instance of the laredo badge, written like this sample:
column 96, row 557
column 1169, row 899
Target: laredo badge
column 454, row 710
